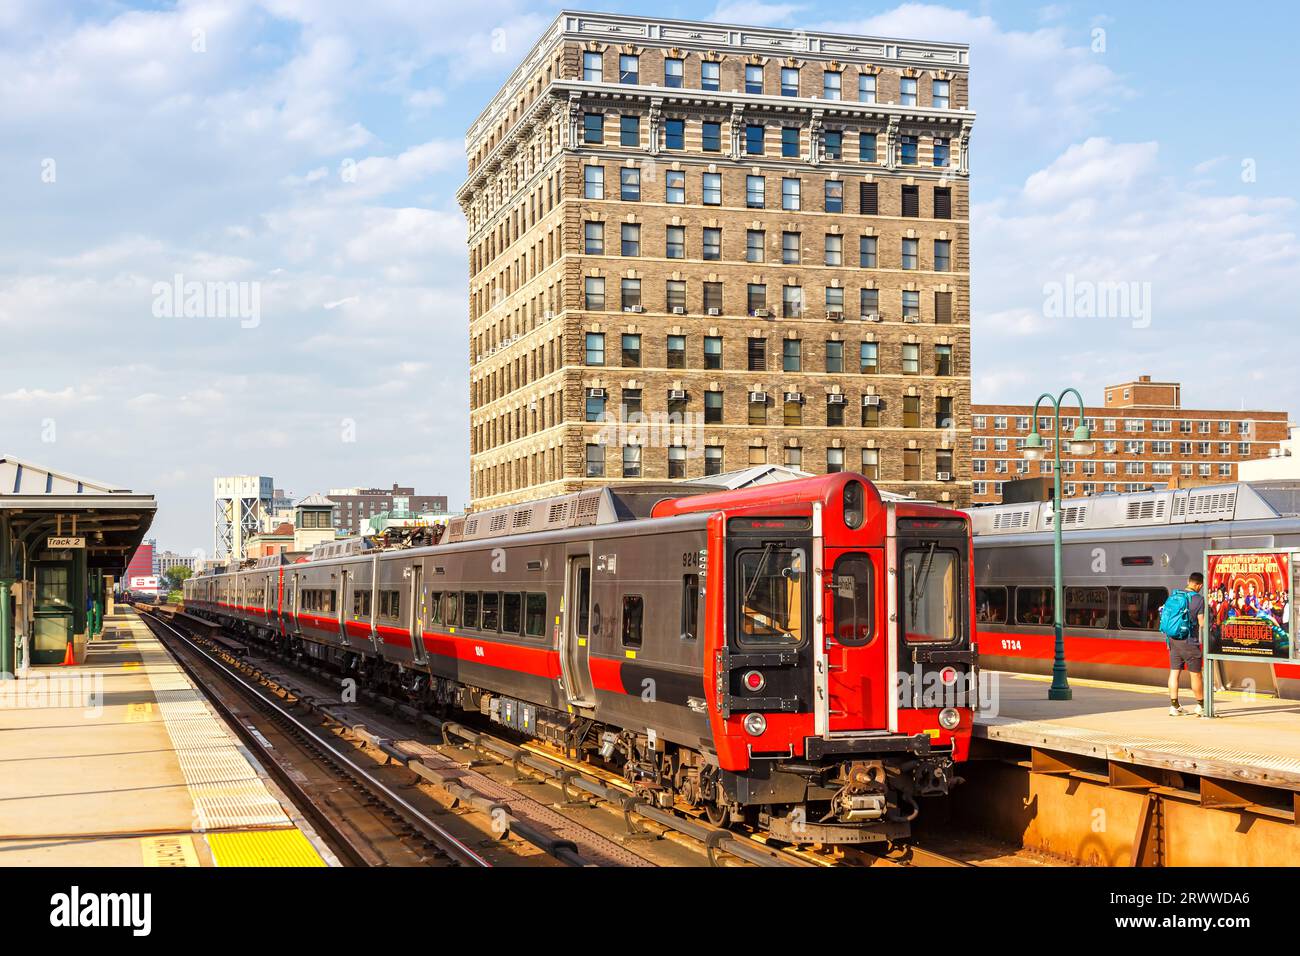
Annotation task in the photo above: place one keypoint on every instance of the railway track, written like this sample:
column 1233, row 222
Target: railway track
column 576, row 783
column 364, row 821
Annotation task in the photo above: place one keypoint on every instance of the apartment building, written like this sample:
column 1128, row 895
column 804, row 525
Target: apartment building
column 1142, row 436
column 697, row 247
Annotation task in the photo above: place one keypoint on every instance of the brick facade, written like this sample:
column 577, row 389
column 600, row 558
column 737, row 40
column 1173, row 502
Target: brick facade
column 679, row 262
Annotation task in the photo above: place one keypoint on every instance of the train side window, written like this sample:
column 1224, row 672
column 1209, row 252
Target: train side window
column 334, row 601
column 451, row 613
column 1086, row 607
column 852, row 584
column 633, row 611
column 435, row 608
column 535, row 615
column 512, row 603
column 361, row 603
column 1139, row 608
column 1035, row 606
column 469, row 608
column 491, row 610
column 690, row 606
column 584, row 602
column 991, row 605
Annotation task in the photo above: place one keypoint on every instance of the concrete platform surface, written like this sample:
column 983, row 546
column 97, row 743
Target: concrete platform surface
column 120, row 761
column 1251, row 739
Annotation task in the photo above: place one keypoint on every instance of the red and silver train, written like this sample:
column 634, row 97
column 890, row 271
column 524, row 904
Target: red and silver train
column 1121, row 556
column 793, row 656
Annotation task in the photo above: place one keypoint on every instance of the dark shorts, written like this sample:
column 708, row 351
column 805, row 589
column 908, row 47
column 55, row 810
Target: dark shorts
column 1184, row 654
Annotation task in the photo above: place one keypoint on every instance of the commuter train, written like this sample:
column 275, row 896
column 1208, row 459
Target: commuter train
column 795, row 656
column 1121, row 556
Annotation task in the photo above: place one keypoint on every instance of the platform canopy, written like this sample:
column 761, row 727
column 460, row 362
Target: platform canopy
column 43, row 510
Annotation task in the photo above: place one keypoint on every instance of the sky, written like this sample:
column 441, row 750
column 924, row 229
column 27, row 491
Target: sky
column 1131, row 214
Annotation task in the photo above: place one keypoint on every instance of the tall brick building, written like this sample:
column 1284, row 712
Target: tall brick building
column 1143, row 438
column 696, row 247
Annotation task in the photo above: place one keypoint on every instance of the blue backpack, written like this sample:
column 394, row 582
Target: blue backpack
column 1176, row 616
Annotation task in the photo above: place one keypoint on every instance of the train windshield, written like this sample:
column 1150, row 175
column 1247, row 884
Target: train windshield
column 771, row 595
column 931, row 601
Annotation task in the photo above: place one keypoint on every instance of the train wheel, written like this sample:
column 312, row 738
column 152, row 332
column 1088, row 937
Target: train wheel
column 717, row 815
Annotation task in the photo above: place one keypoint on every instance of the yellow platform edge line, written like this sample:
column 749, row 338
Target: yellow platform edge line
column 288, row 847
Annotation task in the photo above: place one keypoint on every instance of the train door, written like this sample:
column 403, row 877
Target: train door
column 859, row 681
column 575, row 637
column 419, row 608
column 342, row 604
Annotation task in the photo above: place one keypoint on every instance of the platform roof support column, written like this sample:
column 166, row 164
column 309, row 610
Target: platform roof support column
column 7, row 650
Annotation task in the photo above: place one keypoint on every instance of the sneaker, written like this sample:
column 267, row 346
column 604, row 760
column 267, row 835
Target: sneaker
column 1176, row 711
column 1197, row 711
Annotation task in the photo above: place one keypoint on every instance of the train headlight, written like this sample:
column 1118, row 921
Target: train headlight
column 755, row 724
column 949, row 718
column 854, row 494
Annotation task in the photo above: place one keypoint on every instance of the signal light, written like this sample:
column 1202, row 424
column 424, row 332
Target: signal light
column 753, row 681
column 948, row 675
column 755, row 724
column 853, row 504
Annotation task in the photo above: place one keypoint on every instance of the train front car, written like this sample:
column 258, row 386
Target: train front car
column 838, row 666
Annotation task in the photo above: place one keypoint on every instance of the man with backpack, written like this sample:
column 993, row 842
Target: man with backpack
column 1181, row 620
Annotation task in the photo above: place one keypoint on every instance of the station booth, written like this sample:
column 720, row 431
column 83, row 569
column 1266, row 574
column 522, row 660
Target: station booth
column 64, row 540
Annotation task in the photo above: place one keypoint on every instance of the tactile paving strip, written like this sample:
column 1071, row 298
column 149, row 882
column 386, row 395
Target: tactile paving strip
column 226, row 789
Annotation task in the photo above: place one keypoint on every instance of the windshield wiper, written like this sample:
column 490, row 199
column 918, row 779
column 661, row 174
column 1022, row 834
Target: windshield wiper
column 920, row 577
column 758, row 574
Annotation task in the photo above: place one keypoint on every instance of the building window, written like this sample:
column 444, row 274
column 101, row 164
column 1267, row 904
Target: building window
column 832, row 82
column 593, row 182
column 790, row 248
column 869, row 358
column 911, row 358
column 710, row 75
column 754, row 139
column 756, row 298
column 757, row 354
column 907, row 91
column 790, row 142
column 912, row 464
column 676, row 351
column 869, row 199
column 629, row 68
column 673, row 73
column 755, row 239
column 754, row 192
column 758, row 411
column 711, row 137
column 940, row 152
column 907, row 150
column 792, row 412
column 595, row 406
column 790, row 194
column 834, row 356
column 631, row 461
column 834, row 300
column 794, row 457
column 942, row 202
column 712, row 351
column 713, row 460
column 834, row 460
column 866, row 88
column 675, row 295
column 943, row 360
column 631, row 348
column 834, row 195
column 911, row 201
column 594, row 238
column 629, row 131
column 870, row 411
column 675, row 134
column 676, row 461
column 789, row 81
column 629, row 179
column 943, row 417
column 791, row 355
column 713, row 189
column 867, row 252
column 867, row 147
column 869, row 304
column 595, row 461
column 593, row 127
column 675, row 186
column 911, row 411
column 753, row 78
column 593, row 288
column 712, row 247
column 911, row 306
column 939, row 94
column 595, row 348
column 593, row 67
column 791, row 301
column 630, row 242
column 834, row 250
column 675, row 242
column 631, row 294
column 909, row 253
column 943, row 255
column 713, row 298
column 677, row 404
column 713, row 408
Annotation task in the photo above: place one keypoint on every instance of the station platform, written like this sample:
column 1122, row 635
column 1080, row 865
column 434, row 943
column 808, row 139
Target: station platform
column 1251, row 739
column 120, row 761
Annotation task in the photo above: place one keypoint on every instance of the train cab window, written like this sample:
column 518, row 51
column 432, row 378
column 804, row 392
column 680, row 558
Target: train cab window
column 512, row 603
column 491, row 611
column 451, row 613
column 690, row 606
column 1035, row 606
column 633, row 613
column 469, row 609
column 931, row 576
column 361, row 603
column 991, row 605
column 535, row 615
column 1139, row 608
column 1086, row 607
column 852, row 577
column 771, row 594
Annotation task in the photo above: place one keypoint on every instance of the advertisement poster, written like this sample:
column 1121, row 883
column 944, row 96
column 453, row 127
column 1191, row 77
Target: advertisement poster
column 1248, row 604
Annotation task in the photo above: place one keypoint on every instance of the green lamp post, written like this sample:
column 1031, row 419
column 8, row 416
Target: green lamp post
column 1080, row 445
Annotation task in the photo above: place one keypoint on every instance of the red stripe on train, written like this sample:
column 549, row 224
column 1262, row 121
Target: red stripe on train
column 1080, row 648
